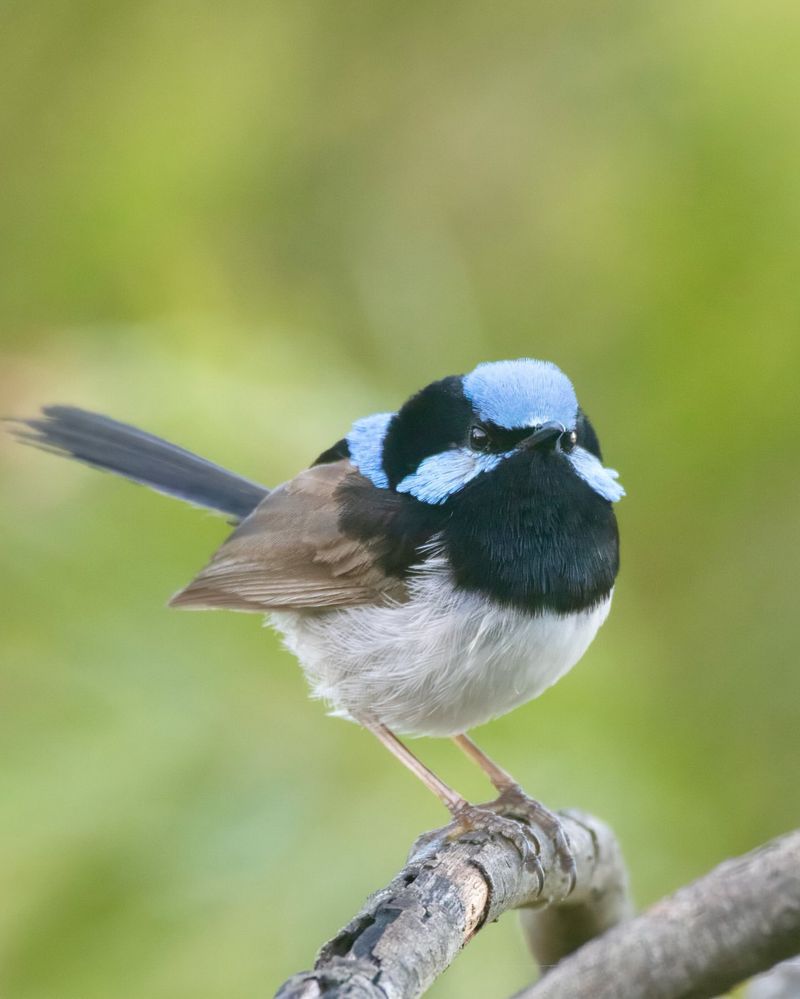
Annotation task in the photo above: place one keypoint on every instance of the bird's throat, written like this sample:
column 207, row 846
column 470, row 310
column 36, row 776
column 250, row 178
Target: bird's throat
column 534, row 536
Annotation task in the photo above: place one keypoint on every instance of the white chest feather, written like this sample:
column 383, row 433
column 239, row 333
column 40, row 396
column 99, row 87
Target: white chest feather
column 438, row 664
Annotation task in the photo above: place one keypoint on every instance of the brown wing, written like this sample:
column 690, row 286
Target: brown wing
column 291, row 553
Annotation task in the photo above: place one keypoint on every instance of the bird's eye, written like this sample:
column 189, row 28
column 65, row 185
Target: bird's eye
column 479, row 439
column 568, row 441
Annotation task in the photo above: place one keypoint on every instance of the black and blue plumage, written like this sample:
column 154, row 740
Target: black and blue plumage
column 434, row 568
column 531, row 534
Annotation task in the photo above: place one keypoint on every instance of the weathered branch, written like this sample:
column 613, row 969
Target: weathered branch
column 410, row 931
column 738, row 920
column 555, row 931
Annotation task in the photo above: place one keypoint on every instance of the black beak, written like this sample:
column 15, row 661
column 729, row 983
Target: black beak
column 547, row 434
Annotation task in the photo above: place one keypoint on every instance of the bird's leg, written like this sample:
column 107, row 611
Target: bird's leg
column 450, row 798
column 481, row 822
column 514, row 803
column 500, row 778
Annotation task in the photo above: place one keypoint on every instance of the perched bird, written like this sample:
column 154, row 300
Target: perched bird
column 433, row 569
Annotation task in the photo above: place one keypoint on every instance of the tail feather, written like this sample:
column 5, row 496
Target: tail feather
column 117, row 447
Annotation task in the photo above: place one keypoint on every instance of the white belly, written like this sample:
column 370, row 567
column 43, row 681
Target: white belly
column 438, row 664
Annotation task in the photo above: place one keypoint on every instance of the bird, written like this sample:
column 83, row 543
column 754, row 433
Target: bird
column 436, row 567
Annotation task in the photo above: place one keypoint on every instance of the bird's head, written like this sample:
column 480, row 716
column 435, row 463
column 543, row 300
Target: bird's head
column 466, row 426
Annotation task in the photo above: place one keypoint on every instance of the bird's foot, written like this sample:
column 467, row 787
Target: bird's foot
column 513, row 803
column 479, row 823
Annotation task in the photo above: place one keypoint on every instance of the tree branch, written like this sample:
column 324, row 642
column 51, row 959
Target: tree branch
column 738, row 920
column 410, row 931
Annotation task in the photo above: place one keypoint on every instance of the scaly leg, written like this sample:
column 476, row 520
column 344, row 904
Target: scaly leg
column 514, row 803
column 483, row 822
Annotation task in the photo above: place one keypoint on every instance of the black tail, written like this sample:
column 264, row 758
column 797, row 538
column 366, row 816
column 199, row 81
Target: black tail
column 116, row 447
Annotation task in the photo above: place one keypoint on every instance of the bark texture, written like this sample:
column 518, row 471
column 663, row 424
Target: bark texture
column 410, row 931
column 740, row 919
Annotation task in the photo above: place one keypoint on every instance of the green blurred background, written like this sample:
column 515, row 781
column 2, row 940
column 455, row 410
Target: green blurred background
column 244, row 225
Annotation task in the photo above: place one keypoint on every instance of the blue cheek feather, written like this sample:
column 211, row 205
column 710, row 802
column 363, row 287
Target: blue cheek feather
column 591, row 470
column 365, row 441
column 516, row 394
column 441, row 475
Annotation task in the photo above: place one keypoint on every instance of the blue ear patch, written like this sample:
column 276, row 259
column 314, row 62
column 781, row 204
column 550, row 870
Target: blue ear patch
column 365, row 441
column 592, row 471
column 440, row 475
column 517, row 394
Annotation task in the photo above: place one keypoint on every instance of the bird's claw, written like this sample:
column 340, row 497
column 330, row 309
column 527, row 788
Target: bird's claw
column 479, row 823
column 513, row 803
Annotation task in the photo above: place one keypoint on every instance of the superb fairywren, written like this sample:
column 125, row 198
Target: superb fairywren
column 433, row 569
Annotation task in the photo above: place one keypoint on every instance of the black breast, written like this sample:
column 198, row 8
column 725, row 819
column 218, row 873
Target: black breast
column 534, row 535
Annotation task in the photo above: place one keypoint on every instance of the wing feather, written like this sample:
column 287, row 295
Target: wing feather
column 293, row 553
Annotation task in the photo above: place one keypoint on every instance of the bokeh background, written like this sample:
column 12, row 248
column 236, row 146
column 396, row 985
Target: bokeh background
column 242, row 226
